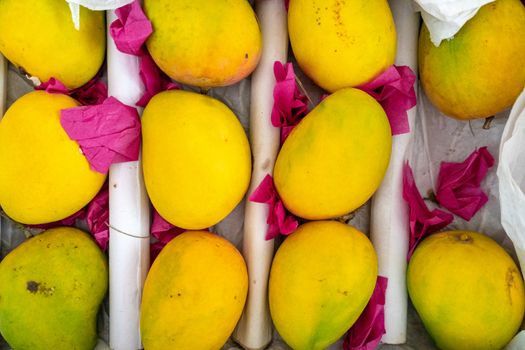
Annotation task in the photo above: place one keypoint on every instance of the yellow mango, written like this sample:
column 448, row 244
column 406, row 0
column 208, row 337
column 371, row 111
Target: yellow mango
column 335, row 158
column 204, row 43
column 342, row 43
column 467, row 290
column 45, row 177
column 51, row 287
column 321, row 279
column 40, row 37
column 197, row 161
column 194, row 294
column 479, row 72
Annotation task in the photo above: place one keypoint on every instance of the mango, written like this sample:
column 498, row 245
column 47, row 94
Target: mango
column 204, row 43
column 45, row 177
column 335, row 158
column 342, row 43
column 467, row 290
column 479, row 72
column 51, row 287
column 194, row 293
column 196, row 158
column 39, row 38
column 321, row 279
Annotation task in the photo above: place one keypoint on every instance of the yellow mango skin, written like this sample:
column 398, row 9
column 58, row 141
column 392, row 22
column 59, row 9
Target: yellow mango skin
column 340, row 43
column 467, row 290
column 204, row 43
column 321, row 279
column 480, row 71
column 44, row 175
column 196, row 157
column 335, row 158
column 40, row 37
column 194, row 294
column 51, row 287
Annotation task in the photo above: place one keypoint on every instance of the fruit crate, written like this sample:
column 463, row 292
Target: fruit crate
column 435, row 138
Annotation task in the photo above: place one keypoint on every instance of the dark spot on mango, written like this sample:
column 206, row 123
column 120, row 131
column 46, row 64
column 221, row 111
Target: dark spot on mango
column 32, row 286
column 178, row 294
column 246, row 55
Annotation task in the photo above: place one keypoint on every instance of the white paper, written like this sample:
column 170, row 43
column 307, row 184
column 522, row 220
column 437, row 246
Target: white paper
column 389, row 225
column 96, row 5
column 511, row 176
column 129, row 216
column 254, row 330
column 444, row 18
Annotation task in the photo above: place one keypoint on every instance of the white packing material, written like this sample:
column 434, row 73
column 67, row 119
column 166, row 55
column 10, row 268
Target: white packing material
column 389, row 229
column 254, row 330
column 129, row 216
column 444, row 18
column 97, row 5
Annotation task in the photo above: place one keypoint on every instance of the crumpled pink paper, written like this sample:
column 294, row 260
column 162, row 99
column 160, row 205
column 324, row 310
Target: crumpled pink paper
column 98, row 218
column 131, row 29
column 289, row 105
column 164, row 232
column 394, row 90
column 286, row 4
column 107, row 133
column 367, row 331
column 458, row 184
column 154, row 80
column 92, row 93
column 279, row 220
column 423, row 222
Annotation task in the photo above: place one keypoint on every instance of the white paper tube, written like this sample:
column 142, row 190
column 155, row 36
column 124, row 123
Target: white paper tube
column 389, row 229
column 254, row 330
column 129, row 216
column 3, row 85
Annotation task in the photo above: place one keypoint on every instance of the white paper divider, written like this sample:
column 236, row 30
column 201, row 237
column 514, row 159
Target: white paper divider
column 254, row 330
column 389, row 230
column 129, row 216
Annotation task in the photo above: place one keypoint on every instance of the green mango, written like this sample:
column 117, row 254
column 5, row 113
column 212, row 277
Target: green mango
column 51, row 287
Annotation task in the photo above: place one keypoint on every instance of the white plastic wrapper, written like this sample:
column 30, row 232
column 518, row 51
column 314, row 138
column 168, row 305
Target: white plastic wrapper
column 511, row 176
column 97, row 5
column 444, row 18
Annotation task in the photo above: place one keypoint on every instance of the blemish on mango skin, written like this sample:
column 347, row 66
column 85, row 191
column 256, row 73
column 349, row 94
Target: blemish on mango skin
column 511, row 281
column 40, row 288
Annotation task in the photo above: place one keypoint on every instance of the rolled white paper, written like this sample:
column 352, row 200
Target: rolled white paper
column 389, row 230
column 254, row 330
column 3, row 85
column 445, row 18
column 129, row 216
column 511, row 177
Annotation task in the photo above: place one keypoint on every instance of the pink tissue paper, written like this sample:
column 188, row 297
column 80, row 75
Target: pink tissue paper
column 279, row 220
column 394, row 90
column 154, row 80
column 458, row 184
column 289, row 105
column 131, row 29
column 107, row 133
column 422, row 221
column 98, row 218
column 367, row 331
column 92, row 93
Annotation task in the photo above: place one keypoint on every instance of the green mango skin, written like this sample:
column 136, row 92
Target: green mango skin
column 51, row 287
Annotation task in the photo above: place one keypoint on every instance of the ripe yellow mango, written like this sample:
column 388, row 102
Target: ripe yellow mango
column 196, row 157
column 44, row 177
column 479, row 72
column 321, row 279
column 194, row 293
column 467, row 290
column 51, row 287
column 204, row 43
column 40, row 37
column 342, row 43
column 335, row 158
